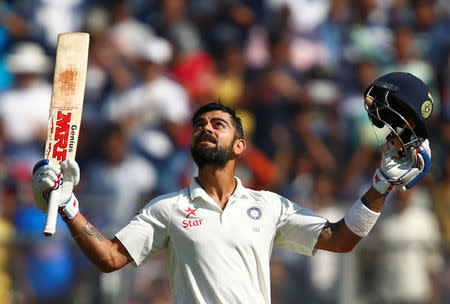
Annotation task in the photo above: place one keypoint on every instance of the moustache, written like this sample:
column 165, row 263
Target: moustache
column 205, row 136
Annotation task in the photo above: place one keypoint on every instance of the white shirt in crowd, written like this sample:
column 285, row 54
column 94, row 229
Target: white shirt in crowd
column 152, row 103
column 215, row 255
column 24, row 112
column 410, row 242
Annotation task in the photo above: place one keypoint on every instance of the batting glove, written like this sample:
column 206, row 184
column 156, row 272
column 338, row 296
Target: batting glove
column 402, row 172
column 48, row 177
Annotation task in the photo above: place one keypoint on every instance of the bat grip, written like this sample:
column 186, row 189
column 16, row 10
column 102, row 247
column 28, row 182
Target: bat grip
column 52, row 213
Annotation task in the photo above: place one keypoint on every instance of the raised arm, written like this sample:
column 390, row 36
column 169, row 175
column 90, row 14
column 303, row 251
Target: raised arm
column 338, row 237
column 403, row 172
column 107, row 255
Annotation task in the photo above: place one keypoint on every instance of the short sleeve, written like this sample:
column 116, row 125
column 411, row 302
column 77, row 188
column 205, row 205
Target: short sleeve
column 298, row 228
column 147, row 233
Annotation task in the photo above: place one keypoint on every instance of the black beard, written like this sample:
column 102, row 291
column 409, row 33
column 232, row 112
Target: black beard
column 217, row 156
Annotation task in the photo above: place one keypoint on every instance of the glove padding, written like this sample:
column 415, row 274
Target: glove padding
column 48, row 177
column 403, row 172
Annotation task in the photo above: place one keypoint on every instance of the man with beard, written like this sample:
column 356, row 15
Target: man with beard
column 217, row 235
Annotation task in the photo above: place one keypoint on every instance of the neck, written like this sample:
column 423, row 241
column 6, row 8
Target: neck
column 219, row 183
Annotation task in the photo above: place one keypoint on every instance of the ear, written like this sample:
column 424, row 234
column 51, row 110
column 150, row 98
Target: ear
column 239, row 146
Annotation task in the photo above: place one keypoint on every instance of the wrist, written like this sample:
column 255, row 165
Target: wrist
column 70, row 209
column 360, row 219
column 381, row 183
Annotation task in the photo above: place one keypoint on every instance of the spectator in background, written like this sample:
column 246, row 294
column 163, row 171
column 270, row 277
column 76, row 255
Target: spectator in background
column 7, row 230
column 254, row 167
column 155, row 113
column 12, row 26
column 311, row 141
column 440, row 194
column 432, row 41
column 326, row 268
column 117, row 180
column 301, row 186
column 46, row 19
column 304, row 280
column 276, row 95
column 408, row 59
column 126, row 33
column 231, row 87
column 281, row 290
column 116, row 183
column 46, row 268
column 369, row 35
column 24, row 107
column 406, row 251
column 172, row 22
column 351, row 109
column 259, row 57
column 197, row 72
column 226, row 22
column 301, row 19
column 361, row 141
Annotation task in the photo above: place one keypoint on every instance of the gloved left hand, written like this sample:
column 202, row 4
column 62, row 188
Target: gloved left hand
column 403, row 172
column 48, row 177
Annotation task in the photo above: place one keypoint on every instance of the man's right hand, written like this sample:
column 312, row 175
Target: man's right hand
column 48, row 177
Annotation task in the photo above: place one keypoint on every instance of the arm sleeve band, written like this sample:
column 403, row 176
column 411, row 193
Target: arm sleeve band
column 360, row 219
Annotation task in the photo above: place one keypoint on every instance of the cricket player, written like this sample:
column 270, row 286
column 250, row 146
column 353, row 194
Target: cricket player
column 218, row 235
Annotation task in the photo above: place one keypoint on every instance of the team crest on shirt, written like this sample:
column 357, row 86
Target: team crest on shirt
column 254, row 213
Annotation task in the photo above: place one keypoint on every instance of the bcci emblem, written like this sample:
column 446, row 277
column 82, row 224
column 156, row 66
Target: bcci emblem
column 427, row 106
column 254, row 213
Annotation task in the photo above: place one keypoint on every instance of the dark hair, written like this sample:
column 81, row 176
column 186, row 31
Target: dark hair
column 218, row 106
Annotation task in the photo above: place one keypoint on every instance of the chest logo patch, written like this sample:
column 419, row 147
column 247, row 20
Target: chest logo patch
column 190, row 212
column 254, row 213
column 192, row 223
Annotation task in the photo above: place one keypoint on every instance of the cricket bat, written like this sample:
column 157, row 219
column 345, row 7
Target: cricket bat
column 66, row 108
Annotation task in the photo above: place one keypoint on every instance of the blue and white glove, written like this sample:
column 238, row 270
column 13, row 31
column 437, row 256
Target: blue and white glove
column 402, row 172
column 48, row 177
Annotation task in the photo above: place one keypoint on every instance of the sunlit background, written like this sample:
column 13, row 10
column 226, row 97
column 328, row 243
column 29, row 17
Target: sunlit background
column 295, row 70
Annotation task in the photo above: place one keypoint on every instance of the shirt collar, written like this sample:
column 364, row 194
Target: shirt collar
column 197, row 191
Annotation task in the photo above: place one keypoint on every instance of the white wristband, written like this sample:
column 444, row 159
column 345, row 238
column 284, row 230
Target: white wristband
column 360, row 219
column 70, row 208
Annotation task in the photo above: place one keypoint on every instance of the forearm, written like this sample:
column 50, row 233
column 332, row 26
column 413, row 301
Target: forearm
column 339, row 237
column 373, row 200
column 106, row 254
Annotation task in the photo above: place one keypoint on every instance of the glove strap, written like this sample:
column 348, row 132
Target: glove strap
column 381, row 183
column 70, row 208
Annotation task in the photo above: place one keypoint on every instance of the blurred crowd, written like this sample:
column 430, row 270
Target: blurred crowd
column 295, row 70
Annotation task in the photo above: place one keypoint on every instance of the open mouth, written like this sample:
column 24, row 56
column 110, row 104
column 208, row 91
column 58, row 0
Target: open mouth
column 206, row 139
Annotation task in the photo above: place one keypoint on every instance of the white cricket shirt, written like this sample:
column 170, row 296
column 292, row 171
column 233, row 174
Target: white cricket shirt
column 215, row 255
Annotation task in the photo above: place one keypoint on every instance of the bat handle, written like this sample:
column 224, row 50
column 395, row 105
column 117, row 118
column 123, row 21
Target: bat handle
column 52, row 213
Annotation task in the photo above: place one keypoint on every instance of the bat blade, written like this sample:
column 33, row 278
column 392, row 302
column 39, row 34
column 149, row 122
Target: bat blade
column 66, row 108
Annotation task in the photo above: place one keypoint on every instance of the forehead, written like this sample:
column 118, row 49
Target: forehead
column 217, row 114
